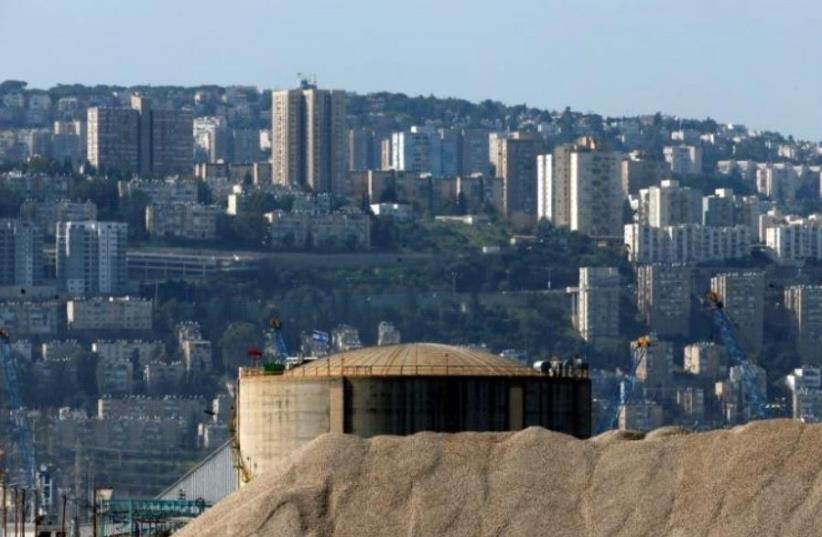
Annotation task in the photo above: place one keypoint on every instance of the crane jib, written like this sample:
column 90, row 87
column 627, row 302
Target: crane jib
column 737, row 357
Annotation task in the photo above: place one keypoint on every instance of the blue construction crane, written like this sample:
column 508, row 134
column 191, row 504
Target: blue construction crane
column 750, row 385
column 610, row 416
column 22, row 434
column 737, row 357
column 276, row 334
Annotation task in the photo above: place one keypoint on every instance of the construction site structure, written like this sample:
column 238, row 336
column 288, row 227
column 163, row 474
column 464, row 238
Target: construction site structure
column 143, row 518
column 616, row 404
column 751, row 389
column 22, row 435
column 752, row 392
column 399, row 390
column 23, row 472
column 275, row 351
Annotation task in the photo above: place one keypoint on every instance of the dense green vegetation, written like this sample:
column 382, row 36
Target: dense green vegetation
column 458, row 296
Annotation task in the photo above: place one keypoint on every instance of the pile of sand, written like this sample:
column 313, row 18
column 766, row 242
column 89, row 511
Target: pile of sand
column 758, row 480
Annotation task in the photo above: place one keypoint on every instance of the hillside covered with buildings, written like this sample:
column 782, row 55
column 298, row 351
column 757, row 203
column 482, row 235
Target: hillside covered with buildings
column 150, row 234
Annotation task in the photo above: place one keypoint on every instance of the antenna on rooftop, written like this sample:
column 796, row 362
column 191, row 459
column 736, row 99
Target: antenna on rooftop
column 306, row 80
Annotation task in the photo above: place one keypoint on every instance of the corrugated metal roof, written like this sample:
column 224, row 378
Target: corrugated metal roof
column 412, row 359
column 214, row 478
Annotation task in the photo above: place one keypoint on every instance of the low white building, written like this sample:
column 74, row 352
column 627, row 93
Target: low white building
column 109, row 313
column 595, row 306
column 466, row 219
column 687, row 243
column 345, row 338
column 387, row 334
column 339, row 230
column 702, row 359
column 805, row 385
column 777, row 181
column 642, row 416
column 161, row 378
column 122, row 349
column 161, row 191
column 115, row 377
column 197, row 355
column 394, row 211
column 22, row 319
column 684, row 159
column 794, row 239
column 191, row 221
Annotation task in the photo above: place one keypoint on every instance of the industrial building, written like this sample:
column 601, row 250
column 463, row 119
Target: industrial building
column 399, row 390
column 392, row 389
column 214, row 478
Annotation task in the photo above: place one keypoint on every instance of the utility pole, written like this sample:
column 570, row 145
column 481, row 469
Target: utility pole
column 5, row 519
column 16, row 509
column 94, row 513
column 63, row 516
column 23, row 513
column 36, row 512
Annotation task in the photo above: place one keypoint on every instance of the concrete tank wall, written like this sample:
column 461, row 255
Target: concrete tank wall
column 277, row 415
column 405, row 405
column 559, row 404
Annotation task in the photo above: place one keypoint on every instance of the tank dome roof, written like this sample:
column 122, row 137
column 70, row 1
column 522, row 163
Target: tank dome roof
column 413, row 359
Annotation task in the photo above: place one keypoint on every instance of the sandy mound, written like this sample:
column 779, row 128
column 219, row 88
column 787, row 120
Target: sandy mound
column 762, row 479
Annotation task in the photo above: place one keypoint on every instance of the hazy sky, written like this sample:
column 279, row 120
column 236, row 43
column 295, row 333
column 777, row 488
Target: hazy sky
column 745, row 61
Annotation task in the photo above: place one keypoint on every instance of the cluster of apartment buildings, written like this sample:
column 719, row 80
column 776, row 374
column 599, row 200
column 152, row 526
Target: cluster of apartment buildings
column 708, row 387
column 705, row 390
column 778, row 181
column 89, row 257
column 581, row 185
column 37, row 317
column 140, row 139
column 194, row 350
column 120, row 366
column 675, row 224
column 344, row 337
column 147, row 423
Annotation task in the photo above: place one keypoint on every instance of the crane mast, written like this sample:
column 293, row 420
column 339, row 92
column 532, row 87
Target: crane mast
column 737, row 357
column 22, row 434
column 610, row 417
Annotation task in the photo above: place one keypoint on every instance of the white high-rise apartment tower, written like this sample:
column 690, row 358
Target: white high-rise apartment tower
column 596, row 308
column 545, row 190
column 596, row 193
column 670, row 204
column 91, row 257
column 579, row 187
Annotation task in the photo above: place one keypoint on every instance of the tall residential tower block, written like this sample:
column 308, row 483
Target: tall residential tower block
column 309, row 144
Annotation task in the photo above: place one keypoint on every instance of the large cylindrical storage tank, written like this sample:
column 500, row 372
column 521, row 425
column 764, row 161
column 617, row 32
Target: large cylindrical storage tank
column 275, row 416
column 403, row 389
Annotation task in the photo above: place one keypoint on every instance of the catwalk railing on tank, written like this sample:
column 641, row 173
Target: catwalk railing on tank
column 342, row 370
